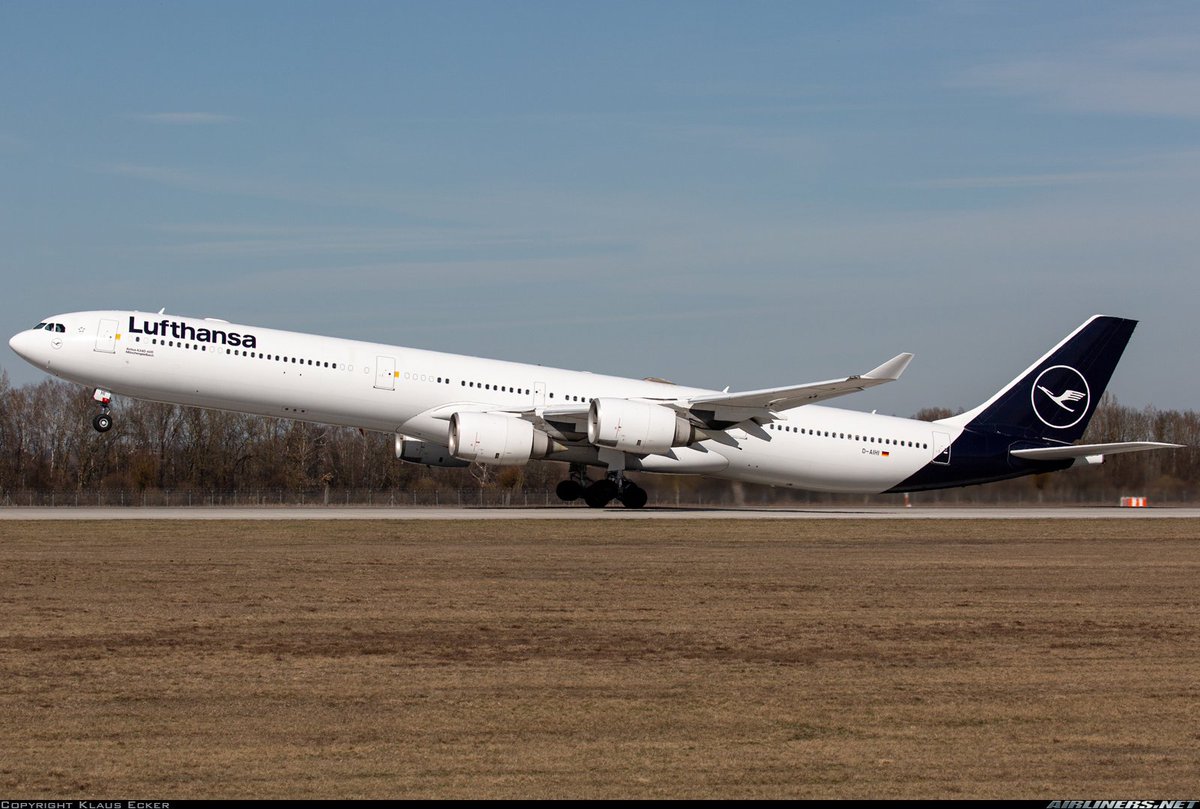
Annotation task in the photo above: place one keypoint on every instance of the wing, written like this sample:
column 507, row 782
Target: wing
column 764, row 403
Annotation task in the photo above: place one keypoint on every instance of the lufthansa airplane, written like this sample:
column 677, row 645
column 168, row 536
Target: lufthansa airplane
column 450, row 410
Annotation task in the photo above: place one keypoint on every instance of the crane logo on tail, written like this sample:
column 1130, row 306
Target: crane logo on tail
column 1060, row 397
column 1068, row 396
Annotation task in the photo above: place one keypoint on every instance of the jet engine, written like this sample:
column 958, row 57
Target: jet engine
column 637, row 426
column 410, row 450
column 498, row 440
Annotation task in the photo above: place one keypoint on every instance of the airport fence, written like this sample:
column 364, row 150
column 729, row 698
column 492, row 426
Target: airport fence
column 495, row 497
column 466, row 497
column 395, row 498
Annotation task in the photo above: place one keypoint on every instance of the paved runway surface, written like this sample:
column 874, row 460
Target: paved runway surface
column 578, row 513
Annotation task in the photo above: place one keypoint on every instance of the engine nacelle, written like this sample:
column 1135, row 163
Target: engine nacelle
column 425, row 453
column 498, row 440
column 637, row 426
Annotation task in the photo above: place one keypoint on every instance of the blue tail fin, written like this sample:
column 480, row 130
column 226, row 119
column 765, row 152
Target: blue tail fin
column 1055, row 397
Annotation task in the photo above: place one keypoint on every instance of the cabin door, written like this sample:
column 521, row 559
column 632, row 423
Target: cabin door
column 106, row 337
column 385, row 373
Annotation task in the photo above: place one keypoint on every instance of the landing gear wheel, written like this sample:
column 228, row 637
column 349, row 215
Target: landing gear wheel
column 103, row 422
column 634, row 496
column 599, row 493
column 568, row 490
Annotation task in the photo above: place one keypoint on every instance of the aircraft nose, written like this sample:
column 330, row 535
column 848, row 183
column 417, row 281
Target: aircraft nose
column 20, row 344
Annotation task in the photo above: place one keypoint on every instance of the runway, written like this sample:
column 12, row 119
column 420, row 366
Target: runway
column 579, row 513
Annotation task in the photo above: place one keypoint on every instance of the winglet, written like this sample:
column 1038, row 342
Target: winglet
column 891, row 369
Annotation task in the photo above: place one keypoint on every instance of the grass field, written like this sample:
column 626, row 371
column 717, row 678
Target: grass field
column 1033, row 659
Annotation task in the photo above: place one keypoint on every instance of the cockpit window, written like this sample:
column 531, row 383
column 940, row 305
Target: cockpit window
column 40, row 326
column 60, row 328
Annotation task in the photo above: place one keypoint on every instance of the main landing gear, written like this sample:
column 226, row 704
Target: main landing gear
column 598, row 494
column 103, row 421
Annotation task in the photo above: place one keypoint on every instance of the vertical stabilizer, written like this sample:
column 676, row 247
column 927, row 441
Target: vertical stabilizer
column 1055, row 397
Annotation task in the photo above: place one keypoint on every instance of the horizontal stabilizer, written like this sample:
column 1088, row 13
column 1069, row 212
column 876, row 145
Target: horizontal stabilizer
column 1084, row 450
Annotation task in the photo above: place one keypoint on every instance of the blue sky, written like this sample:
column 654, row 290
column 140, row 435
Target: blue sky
column 744, row 194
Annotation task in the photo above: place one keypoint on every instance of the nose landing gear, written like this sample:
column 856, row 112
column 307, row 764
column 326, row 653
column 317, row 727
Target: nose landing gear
column 103, row 421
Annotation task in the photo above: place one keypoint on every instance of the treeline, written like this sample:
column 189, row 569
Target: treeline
column 47, row 444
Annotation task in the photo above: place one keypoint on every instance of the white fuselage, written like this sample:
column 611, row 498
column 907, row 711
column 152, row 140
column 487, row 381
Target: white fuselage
column 391, row 389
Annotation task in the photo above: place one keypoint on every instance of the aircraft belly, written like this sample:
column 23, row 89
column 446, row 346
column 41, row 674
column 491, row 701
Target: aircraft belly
column 832, row 468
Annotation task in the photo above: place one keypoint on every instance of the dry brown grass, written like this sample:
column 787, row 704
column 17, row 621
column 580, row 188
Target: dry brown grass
column 687, row 658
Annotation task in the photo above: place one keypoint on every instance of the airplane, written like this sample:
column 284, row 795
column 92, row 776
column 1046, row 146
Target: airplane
column 450, row 410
